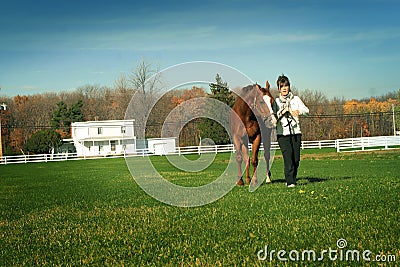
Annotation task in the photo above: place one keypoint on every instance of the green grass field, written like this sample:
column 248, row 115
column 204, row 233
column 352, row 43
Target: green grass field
column 91, row 212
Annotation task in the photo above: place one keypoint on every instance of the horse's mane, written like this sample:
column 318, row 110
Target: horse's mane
column 245, row 91
column 242, row 92
column 247, row 88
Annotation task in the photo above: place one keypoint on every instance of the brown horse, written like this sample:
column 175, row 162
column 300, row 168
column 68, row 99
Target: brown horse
column 249, row 109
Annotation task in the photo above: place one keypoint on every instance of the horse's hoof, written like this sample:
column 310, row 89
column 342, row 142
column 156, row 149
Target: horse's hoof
column 240, row 182
column 254, row 182
column 247, row 181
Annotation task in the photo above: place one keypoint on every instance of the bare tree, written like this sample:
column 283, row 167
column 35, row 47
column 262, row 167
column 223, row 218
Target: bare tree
column 123, row 93
column 146, row 82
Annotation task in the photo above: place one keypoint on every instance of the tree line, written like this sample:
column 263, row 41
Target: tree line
column 328, row 118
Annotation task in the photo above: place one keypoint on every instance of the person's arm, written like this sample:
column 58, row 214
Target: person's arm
column 302, row 108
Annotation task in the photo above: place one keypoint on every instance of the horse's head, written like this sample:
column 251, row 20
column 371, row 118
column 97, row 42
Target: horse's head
column 265, row 91
column 253, row 96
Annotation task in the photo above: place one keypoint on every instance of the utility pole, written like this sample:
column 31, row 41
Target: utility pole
column 2, row 107
column 394, row 121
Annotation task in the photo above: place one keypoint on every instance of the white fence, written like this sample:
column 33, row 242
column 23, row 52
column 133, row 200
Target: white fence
column 350, row 144
column 367, row 143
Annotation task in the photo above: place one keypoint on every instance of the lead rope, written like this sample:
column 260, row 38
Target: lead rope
column 289, row 118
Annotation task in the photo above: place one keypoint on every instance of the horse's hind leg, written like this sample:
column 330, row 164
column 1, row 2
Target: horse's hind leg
column 248, row 170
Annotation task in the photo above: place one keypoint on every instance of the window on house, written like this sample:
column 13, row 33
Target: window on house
column 123, row 129
column 99, row 130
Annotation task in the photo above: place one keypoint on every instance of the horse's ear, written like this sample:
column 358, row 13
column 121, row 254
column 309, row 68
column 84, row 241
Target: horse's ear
column 267, row 85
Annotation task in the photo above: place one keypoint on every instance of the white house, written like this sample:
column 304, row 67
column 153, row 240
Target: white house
column 94, row 138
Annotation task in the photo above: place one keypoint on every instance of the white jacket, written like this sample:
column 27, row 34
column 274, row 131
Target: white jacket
column 288, row 124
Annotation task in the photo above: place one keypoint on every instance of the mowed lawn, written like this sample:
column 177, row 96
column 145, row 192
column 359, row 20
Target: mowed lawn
column 91, row 212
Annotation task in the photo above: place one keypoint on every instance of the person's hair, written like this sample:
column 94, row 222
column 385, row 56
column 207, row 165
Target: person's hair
column 282, row 81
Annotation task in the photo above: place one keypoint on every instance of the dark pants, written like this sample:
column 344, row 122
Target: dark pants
column 290, row 147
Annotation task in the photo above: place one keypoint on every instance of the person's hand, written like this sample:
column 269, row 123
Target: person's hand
column 283, row 111
column 295, row 113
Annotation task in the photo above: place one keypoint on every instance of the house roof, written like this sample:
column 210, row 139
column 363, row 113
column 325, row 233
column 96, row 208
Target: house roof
column 103, row 123
column 106, row 138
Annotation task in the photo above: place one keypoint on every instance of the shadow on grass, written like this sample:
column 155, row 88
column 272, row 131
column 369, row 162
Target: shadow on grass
column 307, row 180
column 303, row 180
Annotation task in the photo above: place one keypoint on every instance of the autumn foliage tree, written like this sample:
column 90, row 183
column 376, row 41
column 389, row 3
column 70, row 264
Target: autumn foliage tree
column 170, row 105
column 190, row 133
column 370, row 118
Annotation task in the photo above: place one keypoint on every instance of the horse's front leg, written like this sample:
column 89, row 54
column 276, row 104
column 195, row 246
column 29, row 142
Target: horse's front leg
column 246, row 159
column 239, row 160
column 254, row 162
column 247, row 169
column 254, row 159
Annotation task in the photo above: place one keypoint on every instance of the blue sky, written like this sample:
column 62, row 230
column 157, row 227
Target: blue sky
column 344, row 49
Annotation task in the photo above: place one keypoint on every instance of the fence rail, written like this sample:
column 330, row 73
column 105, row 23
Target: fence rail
column 341, row 145
column 367, row 143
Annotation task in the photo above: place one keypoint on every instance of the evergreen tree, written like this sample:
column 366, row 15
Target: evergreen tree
column 43, row 142
column 210, row 128
column 60, row 117
column 221, row 92
column 63, row 117
column 75, row 112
